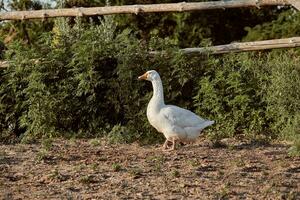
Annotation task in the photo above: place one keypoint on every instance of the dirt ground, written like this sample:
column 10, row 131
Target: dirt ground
column 94, row 169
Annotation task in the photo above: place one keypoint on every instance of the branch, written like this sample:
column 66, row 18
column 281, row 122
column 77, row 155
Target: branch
column 136, row 9
column 243, row 47
column 295, row 3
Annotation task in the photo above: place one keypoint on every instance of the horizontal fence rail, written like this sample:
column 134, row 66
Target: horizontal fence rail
column 295, row 3
column 246, row 46
column 136, row 9
column 228, row 48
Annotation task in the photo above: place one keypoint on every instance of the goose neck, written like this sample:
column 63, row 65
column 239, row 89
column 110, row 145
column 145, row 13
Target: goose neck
column 158, row 94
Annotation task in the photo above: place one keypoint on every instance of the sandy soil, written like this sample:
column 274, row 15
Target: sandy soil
column 94, row 169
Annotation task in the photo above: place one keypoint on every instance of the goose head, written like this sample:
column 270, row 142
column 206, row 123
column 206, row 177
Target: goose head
column 151, row 75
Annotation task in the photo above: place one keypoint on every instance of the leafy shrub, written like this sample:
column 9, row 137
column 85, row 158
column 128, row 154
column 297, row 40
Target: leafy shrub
column 121, row 134
column 283, row 95
column 286, row 25
column 82, row 79
column 252, row 93
column 78, row 85
column 12, row 85
column 282, row 90
column 230, row 94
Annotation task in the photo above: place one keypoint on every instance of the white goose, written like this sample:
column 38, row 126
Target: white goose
column 177, row 124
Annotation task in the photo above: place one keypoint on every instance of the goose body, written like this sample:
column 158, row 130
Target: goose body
column 177, row 124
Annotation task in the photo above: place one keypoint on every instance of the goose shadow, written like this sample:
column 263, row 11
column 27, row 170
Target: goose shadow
column 9, row 160
column 256, row 145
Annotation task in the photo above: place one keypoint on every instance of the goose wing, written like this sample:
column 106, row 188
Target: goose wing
column 182, row 117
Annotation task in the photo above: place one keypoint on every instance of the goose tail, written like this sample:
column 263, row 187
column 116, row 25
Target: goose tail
column 207, row 123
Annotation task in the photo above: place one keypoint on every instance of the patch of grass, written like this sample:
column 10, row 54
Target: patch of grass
column 224, row 192
column 79, row 167
column 116, row 167
column 41, row 155
column 292, row 195
column 28, row 139
column 120, row 134
column 193, row 163
column 124, row 185
column 94, row 166
column 239, row 162
column 6, row 137
column 157, row 162
column 56, row 175
column 47, row 143
column 73, row 140
column 275, row 182
column 87, row 179
column 267, row 191
column 3, row 154
column 220, row 173
column 135, row 172
column 295, row 149
column 265, row 173
column 20, row 148
column 95, row 142
column 175, row 173
column 102, row 158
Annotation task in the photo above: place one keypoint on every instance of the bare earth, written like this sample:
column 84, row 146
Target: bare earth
column 93, row 169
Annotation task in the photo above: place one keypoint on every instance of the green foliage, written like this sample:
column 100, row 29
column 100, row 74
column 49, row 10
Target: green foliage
column 87, row 179
column 286, row 25
column 42, row 155
column 23, row 30
column 95, row 142
column 122, row 134
column 175, row 173
column 295, row 149
column 254, row 94
column 25, row 5
column 12, row 85
column 78, row 84
column 186, row 29
column 47, row 143
column 83, row 80
column 283, row 94
column 116, row 167
column 232, row 96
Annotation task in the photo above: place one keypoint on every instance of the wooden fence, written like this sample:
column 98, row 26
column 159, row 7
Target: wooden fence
column 244, row 46
column 150, row 8
column 230, row 48
column 171, row 7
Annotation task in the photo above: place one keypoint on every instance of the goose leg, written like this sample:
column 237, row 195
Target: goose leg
column 165, row 146
column 174, row 144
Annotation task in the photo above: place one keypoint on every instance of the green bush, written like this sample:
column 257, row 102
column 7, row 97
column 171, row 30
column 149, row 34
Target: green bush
column 80, row 84
column 230, row 93
column 12, row 94
column 285, row 25
column 82, row 80
column 252, row 93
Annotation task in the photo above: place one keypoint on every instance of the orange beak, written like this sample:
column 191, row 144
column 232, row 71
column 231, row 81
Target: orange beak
column 143, row 77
